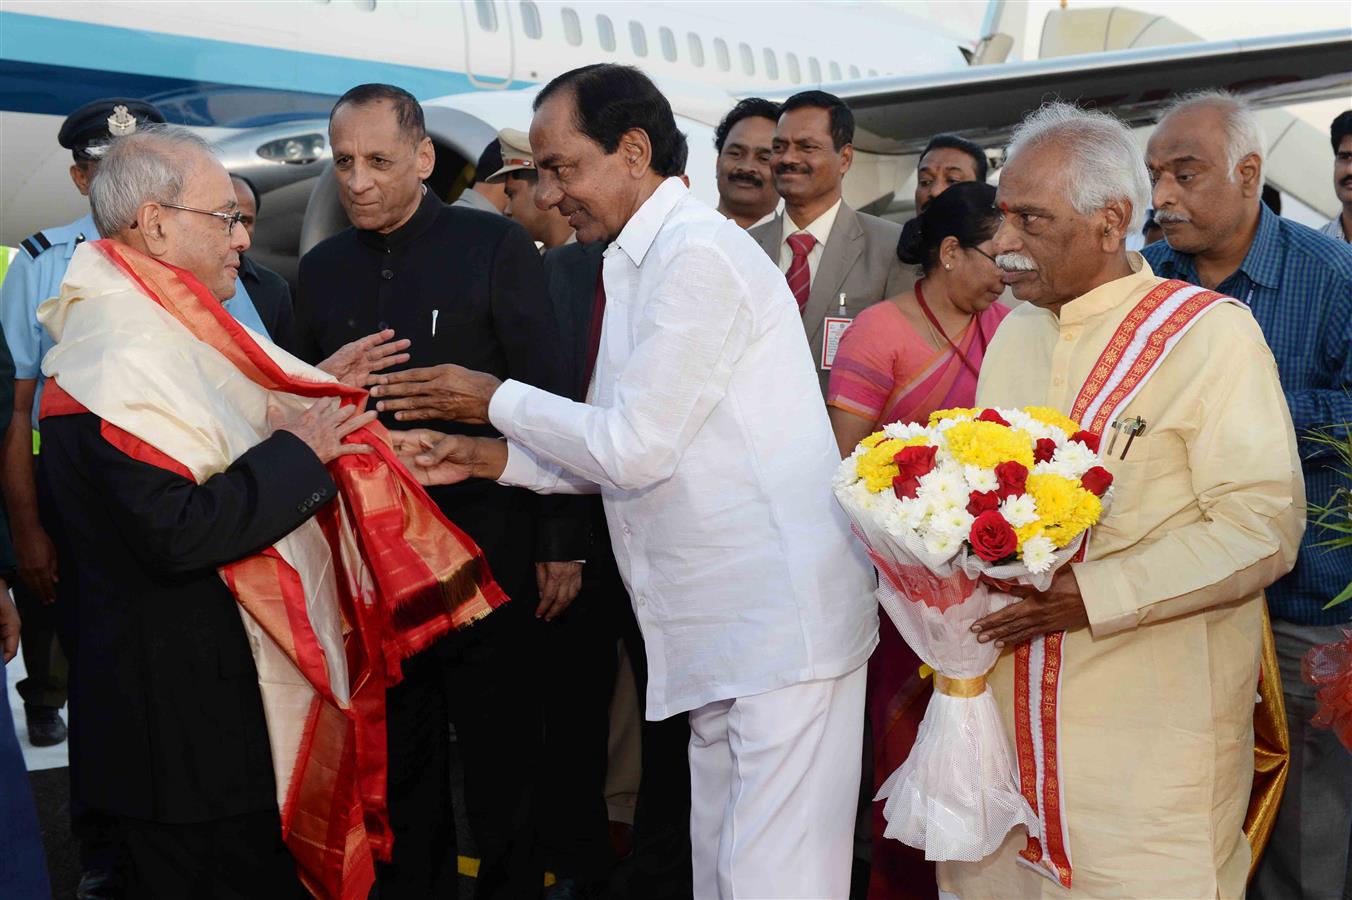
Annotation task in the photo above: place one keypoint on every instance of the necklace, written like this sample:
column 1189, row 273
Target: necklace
column 934, row 323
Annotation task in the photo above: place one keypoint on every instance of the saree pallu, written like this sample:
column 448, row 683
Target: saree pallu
column 333, row 608
column 885, row 372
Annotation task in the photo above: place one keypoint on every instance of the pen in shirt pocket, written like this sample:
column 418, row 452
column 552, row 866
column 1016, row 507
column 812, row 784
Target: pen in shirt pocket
column 434, row 322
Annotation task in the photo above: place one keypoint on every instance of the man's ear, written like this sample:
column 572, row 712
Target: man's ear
column 1116, row 217
column 637, row 151
column 150, row 224
column 426, row 158
column 846, row 158
column 1249, row 172
column 82, row 178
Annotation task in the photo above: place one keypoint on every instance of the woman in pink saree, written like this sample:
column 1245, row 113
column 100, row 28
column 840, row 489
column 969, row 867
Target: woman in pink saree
column 899, row 361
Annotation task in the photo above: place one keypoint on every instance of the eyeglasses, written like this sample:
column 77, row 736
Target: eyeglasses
column 231, row 219
column 984, row 253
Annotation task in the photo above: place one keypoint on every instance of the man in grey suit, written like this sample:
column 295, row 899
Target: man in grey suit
column 824, row 247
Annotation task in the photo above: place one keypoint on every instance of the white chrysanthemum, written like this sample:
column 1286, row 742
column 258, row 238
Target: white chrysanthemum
column 1065, row 468
column 1075, row 457
column 860, row 497
column 847, row 473
column 944, row 424
column 1019, row 511
column 1038, row 553
column 944, row 488
column 905, row 517
column 953, row 520
column 942, row 543
column 904, row 430
column 980, row 479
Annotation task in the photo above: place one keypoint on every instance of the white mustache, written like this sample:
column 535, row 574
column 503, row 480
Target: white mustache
column 1164, row 217
column 1014, row 262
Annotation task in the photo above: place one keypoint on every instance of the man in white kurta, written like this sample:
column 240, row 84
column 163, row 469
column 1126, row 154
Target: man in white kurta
column 705, row 435
column 1161, row 659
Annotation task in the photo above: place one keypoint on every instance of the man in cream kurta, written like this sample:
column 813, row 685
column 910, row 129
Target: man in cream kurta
column 1157, row 692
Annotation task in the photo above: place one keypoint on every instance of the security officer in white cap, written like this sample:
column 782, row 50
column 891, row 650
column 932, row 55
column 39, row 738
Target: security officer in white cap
column 35, row 275
column 547, row 227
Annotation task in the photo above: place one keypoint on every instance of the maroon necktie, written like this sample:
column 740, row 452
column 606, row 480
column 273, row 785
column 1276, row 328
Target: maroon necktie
column 799, row 277
column 594, row 332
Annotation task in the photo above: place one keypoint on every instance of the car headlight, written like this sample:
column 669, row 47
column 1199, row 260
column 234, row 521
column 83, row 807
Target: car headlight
column 303, row 148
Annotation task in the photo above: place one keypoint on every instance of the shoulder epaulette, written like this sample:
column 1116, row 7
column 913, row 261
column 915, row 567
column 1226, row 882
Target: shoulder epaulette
column 35, row 244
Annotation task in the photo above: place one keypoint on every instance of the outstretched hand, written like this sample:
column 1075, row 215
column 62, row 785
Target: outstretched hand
column 436, row 392
column 354, row 364
column 436, row 458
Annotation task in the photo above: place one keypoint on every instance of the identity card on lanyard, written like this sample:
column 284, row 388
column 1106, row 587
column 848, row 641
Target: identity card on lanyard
column 833, row 330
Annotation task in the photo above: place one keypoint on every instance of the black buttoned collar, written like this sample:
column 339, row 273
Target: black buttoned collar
column 428, row 209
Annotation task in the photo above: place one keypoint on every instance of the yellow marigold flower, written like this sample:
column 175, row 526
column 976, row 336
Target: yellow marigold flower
column 1049, row 416
column 956, row 412
column 877, row 466
column 987, row 444
column 1065, row 509
column 873, row 440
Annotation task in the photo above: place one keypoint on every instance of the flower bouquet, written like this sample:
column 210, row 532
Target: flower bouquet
column 953, row 513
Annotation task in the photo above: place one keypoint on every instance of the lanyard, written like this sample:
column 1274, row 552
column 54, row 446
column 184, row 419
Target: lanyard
column 976, row 321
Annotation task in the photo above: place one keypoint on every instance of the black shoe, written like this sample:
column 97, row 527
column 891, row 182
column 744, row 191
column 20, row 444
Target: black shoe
column 99, row 884
column 45, row 728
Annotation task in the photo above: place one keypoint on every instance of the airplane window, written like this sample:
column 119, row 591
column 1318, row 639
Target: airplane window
column 668, row 43
column 639, row 38
column 696, row 50
column 835, row 71
column 814, row 68
column 721, row 51
column 530, row 19
column 872, row 73
column 748, row 59
column 606, row 32
column 854, row 72
column 771, row 64
column 488, row 16
column 572, row 27
column 795, row 71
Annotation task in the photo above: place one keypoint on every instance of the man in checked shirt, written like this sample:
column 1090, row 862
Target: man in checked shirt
column 1206, row 162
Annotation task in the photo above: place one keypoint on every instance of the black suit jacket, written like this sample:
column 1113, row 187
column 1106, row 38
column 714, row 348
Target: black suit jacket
column 467, row 287
column 166, row 719
column 271, row 296
column 573, row 270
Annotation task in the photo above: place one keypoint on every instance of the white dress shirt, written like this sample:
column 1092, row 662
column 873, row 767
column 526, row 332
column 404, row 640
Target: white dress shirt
column 706, row 435
column 1334, row 229
column 819, row 228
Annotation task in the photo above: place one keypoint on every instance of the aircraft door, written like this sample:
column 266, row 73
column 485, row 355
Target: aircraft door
column 489, row 49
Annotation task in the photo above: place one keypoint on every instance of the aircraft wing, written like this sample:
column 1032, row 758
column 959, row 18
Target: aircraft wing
column 899, row 114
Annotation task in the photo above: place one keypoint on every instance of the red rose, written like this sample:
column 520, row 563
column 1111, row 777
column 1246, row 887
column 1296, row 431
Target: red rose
column 1045, row 450
column 905, row 487
column 992, row 538
column 990, row 415
column 915, row 462
column 1013, row 478
column 1097, row 480
column 979, row 502
column 1088, row 438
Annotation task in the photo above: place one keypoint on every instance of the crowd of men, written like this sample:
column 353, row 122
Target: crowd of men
column 653, row 497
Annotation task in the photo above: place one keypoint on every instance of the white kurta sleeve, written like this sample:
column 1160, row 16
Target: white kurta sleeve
column 524, row 469
column 687, row 341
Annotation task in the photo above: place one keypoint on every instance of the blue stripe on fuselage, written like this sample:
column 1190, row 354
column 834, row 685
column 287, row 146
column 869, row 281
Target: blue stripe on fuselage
column 45, row 66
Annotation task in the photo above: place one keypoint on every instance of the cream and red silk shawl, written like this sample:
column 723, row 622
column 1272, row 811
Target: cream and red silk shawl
column 331, row 609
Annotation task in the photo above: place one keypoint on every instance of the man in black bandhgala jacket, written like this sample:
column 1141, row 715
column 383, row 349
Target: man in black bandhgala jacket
column 464, row 287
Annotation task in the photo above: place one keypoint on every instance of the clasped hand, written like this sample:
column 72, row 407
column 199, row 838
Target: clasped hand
column 436, row 392
column 1059, row 608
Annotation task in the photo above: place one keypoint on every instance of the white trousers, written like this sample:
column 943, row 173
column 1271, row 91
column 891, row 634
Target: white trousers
column 774, row 785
